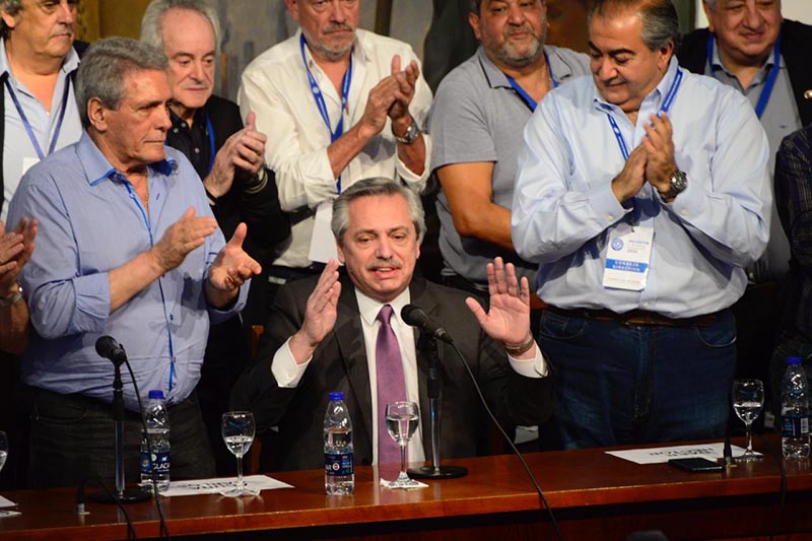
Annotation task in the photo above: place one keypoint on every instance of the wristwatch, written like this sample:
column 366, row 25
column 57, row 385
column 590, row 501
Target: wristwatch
column 412, row 132
column 679, row 181
column 14, row 298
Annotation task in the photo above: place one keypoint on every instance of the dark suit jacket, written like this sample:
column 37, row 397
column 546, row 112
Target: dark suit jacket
column 80, row 47
column 340, row 364
column 795, row 40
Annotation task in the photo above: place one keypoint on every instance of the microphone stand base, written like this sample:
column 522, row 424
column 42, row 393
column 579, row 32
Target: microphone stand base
column 131, row 495
column 443, row 472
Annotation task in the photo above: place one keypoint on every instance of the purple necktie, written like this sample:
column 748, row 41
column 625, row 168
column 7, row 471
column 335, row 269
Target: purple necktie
column 391, row 384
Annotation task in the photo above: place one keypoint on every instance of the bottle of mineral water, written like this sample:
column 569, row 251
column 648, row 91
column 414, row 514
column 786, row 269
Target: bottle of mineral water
column 795, row 411
column 338, row 460
column 157, row 419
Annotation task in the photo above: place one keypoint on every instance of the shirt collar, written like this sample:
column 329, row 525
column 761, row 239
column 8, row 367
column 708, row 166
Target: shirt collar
column 98, row 167
column 657, row 95
column 369, row 307
column 70, row 63
column 497, row 79
column 179, row 123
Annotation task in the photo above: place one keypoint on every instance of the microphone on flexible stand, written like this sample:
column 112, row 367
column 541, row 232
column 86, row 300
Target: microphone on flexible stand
column 416, row 317
column 110, row 349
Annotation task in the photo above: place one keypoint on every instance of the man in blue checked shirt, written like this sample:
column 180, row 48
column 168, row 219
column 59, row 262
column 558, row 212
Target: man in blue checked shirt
column 128, row 247
column 642, row 194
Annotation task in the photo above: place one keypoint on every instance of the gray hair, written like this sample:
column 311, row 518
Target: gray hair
column 105, row 66
column 151, row 30
column 660, row 19
column 375, row 187
column 13, row 7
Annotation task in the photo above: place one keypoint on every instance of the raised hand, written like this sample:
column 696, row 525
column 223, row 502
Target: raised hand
column 659, row 147
column 631, row 179
column 320, row 314
column 406, row 79
column 233, row 267
column 508, row 319
column 16, row 248
column 244, row 150
column 185, row 235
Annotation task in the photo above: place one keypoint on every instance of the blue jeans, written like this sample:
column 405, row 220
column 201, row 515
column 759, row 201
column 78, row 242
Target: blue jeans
column 624, row 385
column 73, row 438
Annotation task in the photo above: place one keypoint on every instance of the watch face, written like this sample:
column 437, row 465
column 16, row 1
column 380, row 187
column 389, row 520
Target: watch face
column 679, row 181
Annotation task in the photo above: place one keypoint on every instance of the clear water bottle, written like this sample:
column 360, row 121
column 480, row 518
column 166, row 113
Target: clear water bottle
column 339, row 477
column 157, row 419
column 795, row 411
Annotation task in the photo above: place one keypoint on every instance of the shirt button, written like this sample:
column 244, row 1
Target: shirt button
column 610, row 218
column 684, row 212
column 175, row 130
column 197, row 151
column 645, row 305
column 171, row 317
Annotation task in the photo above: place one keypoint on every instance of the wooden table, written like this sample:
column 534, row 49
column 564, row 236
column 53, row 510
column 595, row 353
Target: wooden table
column 595, row 496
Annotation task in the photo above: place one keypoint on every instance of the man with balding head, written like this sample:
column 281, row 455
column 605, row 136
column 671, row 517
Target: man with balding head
column 642, row 194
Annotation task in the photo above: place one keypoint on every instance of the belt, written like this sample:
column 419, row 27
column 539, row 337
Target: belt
column 640, row 318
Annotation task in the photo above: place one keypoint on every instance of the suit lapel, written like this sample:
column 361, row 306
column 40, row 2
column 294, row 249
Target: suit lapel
column 349, row 336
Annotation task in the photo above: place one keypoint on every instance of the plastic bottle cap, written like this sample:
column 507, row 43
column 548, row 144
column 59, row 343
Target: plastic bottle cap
column 156, row 394
column 793, row 360
column 337, row 395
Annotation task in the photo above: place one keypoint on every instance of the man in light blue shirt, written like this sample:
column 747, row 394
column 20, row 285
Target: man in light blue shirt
column 642, row 194
column 128, row 247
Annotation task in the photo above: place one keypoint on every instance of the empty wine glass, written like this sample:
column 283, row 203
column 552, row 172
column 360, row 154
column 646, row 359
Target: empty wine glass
column 238, row 432
column 748, row 399
column 401, row 422
column 3, row 449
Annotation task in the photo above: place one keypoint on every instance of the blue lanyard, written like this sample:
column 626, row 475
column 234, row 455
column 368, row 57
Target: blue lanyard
column 769, row 84
column 210, row 130
column 523, row 94
column 667, row 102
column 27, row 124
column 319, row 97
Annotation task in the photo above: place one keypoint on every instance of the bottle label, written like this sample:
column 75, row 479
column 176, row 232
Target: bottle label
column 795, row 426
column 338, row 465
column 160, row 463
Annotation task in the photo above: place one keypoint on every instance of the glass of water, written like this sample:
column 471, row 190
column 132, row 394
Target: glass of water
column 748, row 399
column 3, row 449
column 238, row 430
column 401, row 422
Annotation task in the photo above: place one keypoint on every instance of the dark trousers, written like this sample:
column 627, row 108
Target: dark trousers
column 73, row 438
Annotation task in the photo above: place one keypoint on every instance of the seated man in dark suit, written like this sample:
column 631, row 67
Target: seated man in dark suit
column 328, row 332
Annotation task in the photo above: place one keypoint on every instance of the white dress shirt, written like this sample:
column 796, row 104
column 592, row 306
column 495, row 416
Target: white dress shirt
column 276, row 87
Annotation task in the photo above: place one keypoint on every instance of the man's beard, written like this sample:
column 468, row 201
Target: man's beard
column 510, row 57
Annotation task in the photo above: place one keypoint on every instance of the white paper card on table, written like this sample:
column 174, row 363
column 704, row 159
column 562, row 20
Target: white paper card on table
column 385, row 484
column 661, row 455
column 322, row 242
column 628, row 257
column 5, row 503
column 214, row 486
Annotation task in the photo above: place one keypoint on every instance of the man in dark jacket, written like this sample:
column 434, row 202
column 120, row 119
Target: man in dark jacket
column 229, row 158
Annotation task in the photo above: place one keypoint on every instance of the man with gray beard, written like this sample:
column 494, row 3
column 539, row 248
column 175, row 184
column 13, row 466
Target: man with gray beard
column 339, row 105
column 476, row 124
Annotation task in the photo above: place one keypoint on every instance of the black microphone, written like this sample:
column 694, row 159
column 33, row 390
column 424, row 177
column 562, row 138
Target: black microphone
column 414, row 316
column 107, row 347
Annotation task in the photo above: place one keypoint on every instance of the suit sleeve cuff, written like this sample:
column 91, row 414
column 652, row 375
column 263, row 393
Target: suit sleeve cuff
column 287, row 373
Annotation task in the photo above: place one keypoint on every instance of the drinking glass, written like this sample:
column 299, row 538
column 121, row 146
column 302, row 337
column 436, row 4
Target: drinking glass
column 748, row 399
column 238, row 430
column 3, row 449
column 401, row 422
